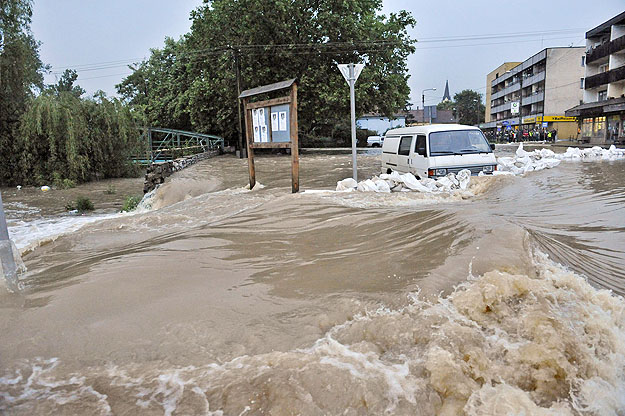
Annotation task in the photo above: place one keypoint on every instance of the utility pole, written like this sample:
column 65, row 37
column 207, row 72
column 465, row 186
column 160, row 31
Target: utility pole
column 350, row 73
column 237, row 63
column 7, row 261
column 477, row 112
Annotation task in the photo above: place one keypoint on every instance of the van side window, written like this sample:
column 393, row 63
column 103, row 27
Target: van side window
column 419, row 147
column 404, row 146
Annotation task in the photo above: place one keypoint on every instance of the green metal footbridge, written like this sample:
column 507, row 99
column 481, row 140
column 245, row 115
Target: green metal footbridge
column 169, row 144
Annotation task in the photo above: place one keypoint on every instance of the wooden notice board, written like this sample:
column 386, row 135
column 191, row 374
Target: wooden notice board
column 272, row 124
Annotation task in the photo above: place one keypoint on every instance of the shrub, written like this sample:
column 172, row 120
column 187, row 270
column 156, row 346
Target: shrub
column 84, row 204
column 61, row 183
column 131, row 203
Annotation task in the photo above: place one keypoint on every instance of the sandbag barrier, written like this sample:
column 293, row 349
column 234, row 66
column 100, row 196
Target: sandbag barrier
column 519, row 165
column 407, row 182
column 539, row 159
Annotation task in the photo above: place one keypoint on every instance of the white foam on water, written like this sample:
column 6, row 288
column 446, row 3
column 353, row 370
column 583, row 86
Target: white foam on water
column 28, row 235
column 501, row 343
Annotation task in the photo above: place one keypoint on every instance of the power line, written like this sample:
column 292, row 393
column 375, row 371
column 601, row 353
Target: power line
column 356, row 44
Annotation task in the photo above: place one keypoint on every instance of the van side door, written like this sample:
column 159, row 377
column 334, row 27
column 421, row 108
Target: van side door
column 403, row 153
column 419, row 162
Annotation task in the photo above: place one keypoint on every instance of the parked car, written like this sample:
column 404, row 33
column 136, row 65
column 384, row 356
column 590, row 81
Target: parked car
column 435, row 150
column 375, row 141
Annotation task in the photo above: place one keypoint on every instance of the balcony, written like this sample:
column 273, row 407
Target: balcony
column 599, row 52
column 617, row 74
column 617, row 45
column 596, row 80
column 534, row 98
column 606, row 49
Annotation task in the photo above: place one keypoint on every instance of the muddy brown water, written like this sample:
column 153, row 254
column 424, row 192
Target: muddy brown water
column 224, row 301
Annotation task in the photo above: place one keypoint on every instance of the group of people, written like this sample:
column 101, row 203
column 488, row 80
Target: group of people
column 522, row 135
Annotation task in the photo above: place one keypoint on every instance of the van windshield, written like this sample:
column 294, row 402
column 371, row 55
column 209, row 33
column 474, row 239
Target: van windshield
column 458, row 142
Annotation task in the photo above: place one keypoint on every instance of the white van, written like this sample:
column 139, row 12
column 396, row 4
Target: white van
column 438, row 149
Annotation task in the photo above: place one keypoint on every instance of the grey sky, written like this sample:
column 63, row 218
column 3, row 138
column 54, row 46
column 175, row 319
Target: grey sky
column 90, row 32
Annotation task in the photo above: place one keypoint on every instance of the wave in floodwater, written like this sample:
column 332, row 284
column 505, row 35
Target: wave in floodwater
column 501, row 343
column 214, row 299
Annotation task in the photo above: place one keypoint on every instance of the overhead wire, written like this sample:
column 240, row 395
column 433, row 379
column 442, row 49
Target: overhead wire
column 316, row 47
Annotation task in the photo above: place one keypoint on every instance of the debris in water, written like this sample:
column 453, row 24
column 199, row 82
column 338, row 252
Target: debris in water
column 45, row 188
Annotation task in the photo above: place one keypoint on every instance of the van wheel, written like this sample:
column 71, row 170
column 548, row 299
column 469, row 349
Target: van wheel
column 389, row 171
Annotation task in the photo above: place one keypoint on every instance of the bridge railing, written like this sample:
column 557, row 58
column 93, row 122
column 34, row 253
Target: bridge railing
column 169, row 144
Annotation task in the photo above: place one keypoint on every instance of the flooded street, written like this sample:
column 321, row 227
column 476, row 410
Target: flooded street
column 214, row 299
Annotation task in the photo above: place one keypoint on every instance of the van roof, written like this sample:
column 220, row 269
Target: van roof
column 429, row 128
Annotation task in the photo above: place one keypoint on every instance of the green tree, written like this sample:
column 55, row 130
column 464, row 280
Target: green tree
column 65, row 137
column 446, row 105
column 469, row 107
column 66, row 84
column 191, row 83
column 20, row 75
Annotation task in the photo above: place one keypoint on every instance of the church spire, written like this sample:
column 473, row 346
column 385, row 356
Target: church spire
column 446, row 96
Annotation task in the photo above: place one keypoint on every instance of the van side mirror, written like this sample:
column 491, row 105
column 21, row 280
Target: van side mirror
column 492, row 146
column 421, row 151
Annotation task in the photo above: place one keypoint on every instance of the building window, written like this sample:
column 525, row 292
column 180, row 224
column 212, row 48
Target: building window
column 587, row 127
column 599, row 127
column 581, row 83
column 583, row 60
column 603, row 95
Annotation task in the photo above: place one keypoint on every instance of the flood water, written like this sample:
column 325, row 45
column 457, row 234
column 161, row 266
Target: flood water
column 217, row 300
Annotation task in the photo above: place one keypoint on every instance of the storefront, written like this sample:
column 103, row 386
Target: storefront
column 602, row 122
column 565, row 127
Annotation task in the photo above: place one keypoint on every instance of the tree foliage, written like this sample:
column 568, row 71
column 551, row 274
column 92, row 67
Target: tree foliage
column 66, row 84
column 63, row 136
column 20, row 75
column 191, row 83
column 446, row 105
column 469, row 107
column 49, row 134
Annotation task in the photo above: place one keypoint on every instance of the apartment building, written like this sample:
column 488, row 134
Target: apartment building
column 500, row 70
column 536, row 93
column 602, row 114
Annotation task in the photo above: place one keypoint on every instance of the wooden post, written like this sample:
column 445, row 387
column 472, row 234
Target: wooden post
column 249, row 133
column 294, row 140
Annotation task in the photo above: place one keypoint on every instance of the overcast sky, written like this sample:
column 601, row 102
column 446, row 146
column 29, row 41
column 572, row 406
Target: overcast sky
column 98, row 38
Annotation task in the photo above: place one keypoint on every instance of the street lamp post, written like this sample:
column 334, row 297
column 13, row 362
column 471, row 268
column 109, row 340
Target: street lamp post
column 477, row 112
column 423, row 102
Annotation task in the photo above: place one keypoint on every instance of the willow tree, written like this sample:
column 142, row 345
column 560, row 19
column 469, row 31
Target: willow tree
column 20, row 75
column 65, row 137
column 191, row 83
